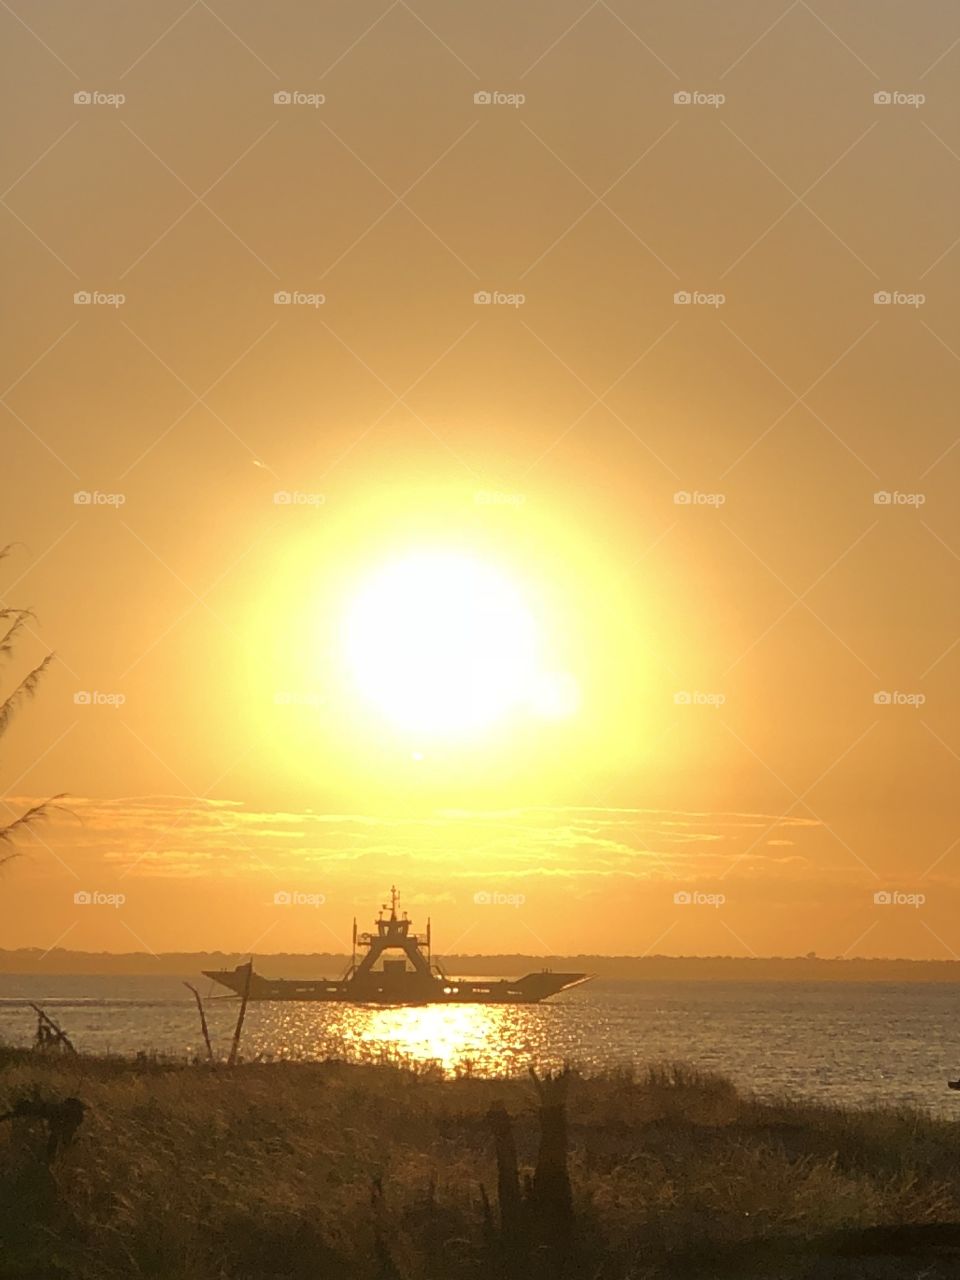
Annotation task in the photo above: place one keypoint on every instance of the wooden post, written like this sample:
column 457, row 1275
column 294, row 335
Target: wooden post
column 508, row 1179
column 203, row 1020
column 551, row 1194
column 235, row 1047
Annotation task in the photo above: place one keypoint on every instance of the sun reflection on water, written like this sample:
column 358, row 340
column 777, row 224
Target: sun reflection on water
column 488, row 1039
column 450, row 1035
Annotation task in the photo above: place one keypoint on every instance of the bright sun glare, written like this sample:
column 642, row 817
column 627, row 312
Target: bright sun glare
column 443, row 644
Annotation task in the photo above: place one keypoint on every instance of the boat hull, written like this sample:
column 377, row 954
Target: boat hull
column 409, row 989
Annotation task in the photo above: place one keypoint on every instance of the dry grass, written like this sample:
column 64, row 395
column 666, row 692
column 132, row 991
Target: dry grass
column 266, row 1170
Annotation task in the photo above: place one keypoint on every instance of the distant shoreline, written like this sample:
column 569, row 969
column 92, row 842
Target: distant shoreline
column 639, row 968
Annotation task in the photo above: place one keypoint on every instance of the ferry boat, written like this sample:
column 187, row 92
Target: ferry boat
column 381, row 976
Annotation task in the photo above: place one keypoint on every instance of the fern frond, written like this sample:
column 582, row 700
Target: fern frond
column 25, row 689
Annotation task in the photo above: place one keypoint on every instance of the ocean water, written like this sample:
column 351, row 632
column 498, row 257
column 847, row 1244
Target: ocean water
column 860, row 1043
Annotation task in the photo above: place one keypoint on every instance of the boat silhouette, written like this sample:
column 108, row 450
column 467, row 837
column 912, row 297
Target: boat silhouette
column 380, row 976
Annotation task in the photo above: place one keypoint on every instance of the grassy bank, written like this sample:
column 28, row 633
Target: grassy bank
column 376, row 1172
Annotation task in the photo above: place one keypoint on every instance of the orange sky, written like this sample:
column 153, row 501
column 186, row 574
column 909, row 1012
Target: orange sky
column 728, row 650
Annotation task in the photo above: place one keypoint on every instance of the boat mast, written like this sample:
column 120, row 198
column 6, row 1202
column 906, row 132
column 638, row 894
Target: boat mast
column 353, row 958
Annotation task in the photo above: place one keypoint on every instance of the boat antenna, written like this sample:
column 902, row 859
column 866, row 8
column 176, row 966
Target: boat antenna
column 353, row 958
column 394, row 901
column 428, row 941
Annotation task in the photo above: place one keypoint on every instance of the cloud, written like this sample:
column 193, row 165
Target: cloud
column 181, row 837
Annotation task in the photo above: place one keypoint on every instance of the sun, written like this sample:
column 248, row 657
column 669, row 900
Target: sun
column 442, row 643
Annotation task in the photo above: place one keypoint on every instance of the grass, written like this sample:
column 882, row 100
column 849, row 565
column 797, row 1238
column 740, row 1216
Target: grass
column 375, row 1172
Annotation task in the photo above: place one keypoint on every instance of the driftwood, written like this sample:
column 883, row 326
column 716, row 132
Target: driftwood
column 49, row 1033
column 63, row 1119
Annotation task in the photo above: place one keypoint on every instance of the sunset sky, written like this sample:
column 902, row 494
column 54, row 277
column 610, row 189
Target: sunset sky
column 716, row 663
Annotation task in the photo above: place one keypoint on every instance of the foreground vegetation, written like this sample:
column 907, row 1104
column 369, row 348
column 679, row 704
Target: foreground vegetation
column 384, row 1172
